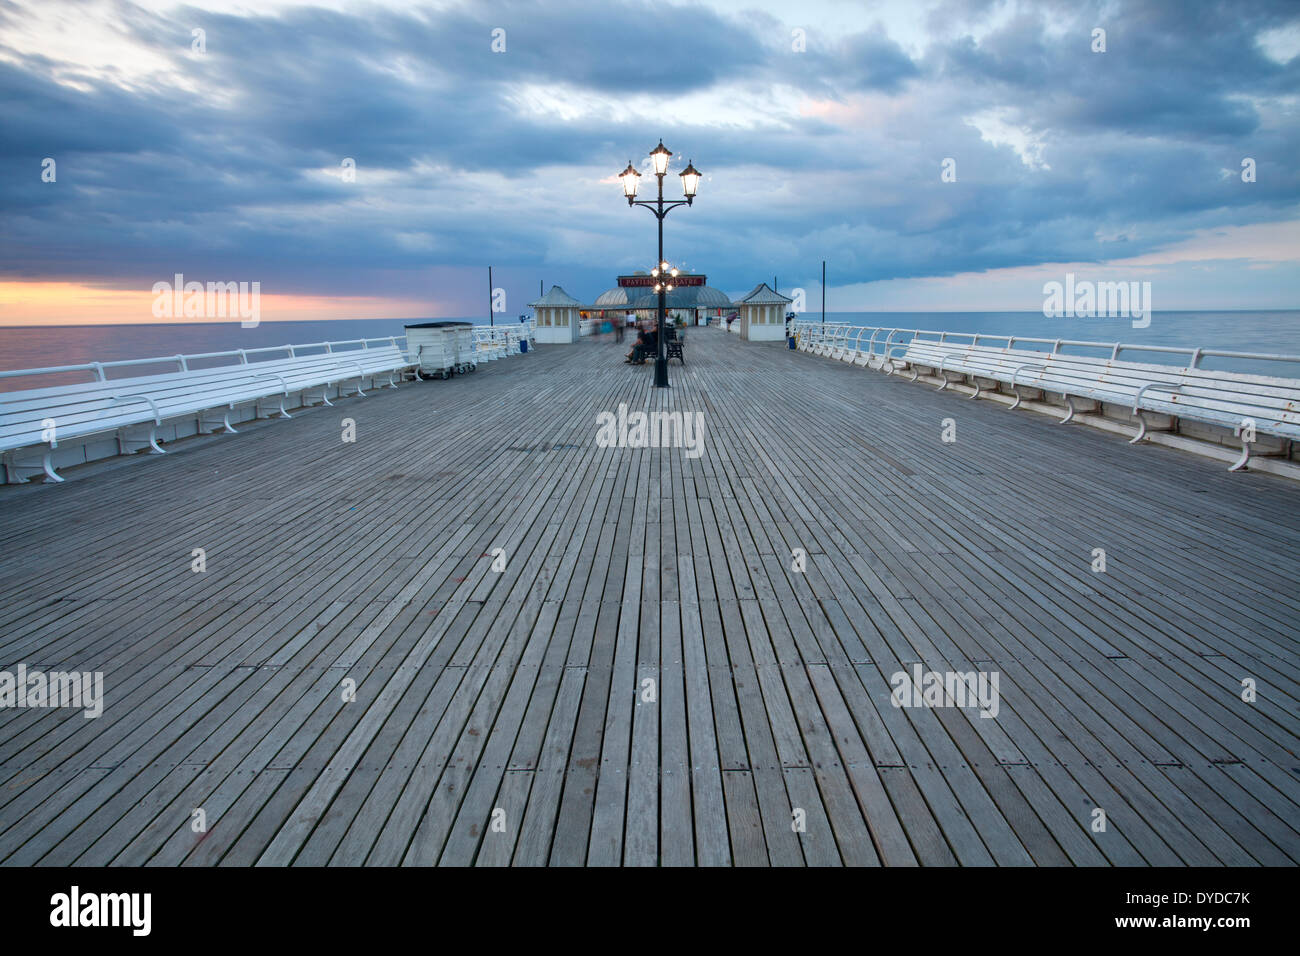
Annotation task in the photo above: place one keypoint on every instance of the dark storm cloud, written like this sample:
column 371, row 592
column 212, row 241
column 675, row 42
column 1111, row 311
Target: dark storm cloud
column 1175, row 69
column 154, row 178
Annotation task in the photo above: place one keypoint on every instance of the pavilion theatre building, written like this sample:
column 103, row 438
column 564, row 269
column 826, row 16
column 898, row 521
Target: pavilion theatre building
column 692, row 299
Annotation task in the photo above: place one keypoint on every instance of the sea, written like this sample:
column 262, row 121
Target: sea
column 1269, row 332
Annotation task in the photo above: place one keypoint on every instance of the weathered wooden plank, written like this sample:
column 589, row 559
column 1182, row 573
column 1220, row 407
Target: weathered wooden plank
column 372, row 560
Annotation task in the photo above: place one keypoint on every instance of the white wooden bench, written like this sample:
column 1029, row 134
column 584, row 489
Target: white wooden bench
column 811, row 339
column 40, row 419
column 497, row 342
column 488, row 345
column 1247, row 404
column 832, row 340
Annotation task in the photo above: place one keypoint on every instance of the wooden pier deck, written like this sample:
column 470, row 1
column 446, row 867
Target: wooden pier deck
column 525, row 690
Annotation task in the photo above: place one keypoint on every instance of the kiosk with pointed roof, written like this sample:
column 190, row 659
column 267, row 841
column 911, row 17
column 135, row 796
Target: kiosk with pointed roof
column 762, row 315
column 557, row 317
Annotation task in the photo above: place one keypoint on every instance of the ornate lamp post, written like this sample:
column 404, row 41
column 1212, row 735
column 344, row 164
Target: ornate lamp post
column 690, row 183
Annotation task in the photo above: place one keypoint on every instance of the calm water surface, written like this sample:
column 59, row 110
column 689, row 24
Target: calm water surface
column 1272, row 332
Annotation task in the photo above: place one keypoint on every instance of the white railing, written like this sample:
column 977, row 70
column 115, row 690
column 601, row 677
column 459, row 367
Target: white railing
column 233, row 356
column 1240, row 405
column 873, row 346
column 492, row 342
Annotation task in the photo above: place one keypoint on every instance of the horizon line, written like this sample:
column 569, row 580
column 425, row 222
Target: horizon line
column 515, row 321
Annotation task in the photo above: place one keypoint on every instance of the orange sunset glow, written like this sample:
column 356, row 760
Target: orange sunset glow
column 75, row 303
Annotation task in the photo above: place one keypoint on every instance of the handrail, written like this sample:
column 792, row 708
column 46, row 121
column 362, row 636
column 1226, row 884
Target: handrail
column 185, row 360
column 889, row 357
column 487, row 339
column 153, row 406
column 1171, row 387
column 832, row 332
column 1015, row 372
column 279, row 378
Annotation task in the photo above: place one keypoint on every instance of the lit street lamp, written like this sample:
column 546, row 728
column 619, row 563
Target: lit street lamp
column 690, row 183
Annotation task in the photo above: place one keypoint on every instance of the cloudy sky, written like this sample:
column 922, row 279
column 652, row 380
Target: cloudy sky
column 822, row 129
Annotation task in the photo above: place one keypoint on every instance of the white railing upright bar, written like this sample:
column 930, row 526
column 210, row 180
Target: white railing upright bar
column 832, row 338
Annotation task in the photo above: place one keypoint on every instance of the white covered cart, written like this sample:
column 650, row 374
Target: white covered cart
column 442, row 348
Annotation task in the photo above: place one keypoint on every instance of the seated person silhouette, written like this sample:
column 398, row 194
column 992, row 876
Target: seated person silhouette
column 646, row 343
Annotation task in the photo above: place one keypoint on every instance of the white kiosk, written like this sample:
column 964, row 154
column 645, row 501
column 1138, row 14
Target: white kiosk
column 762, row 315
column 556, row 314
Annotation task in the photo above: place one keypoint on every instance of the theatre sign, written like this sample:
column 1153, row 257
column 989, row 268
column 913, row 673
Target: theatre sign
column 648, row 282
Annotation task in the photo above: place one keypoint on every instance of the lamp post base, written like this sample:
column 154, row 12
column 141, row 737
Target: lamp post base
column 661, row 372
